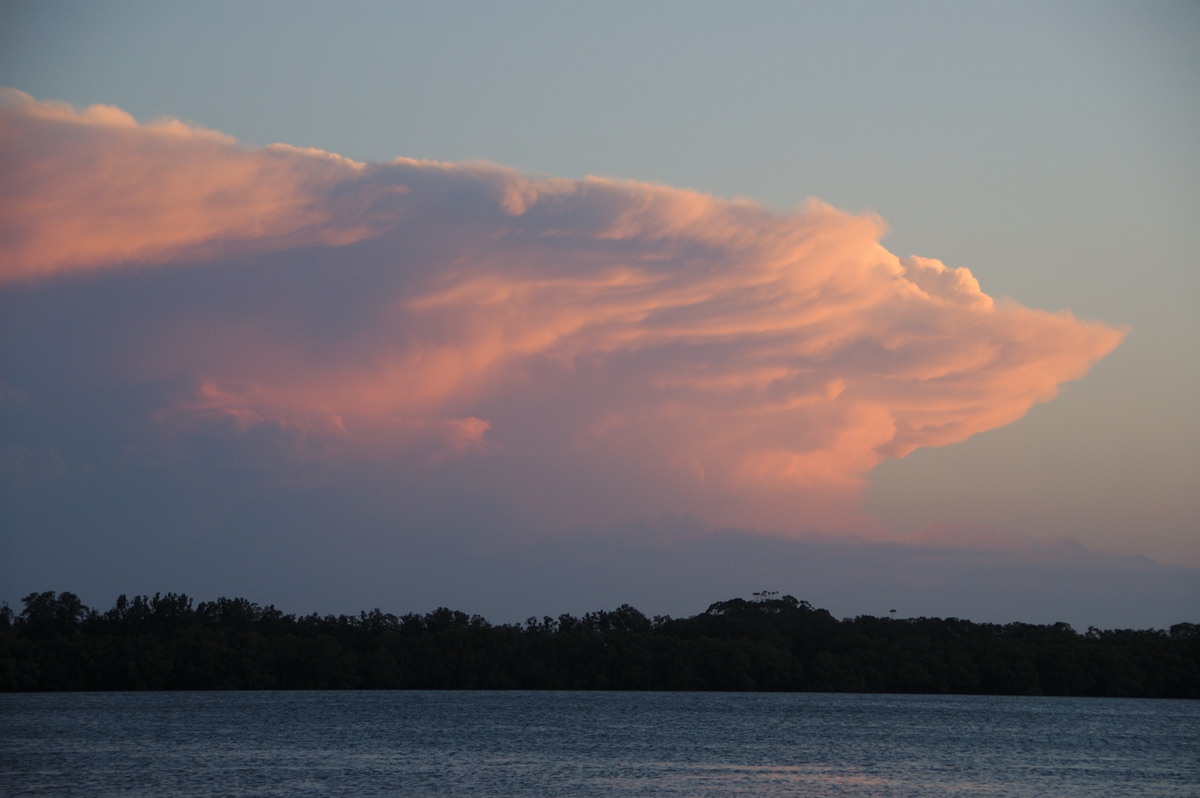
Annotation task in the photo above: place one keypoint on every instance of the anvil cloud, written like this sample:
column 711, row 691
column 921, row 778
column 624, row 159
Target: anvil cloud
column 590, row 350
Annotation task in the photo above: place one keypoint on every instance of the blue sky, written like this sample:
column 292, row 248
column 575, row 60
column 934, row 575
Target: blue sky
column 1047, row 147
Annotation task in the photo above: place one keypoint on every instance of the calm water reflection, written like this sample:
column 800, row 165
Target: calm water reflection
column 593, row 744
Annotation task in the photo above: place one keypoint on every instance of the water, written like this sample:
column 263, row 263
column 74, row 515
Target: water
column 583, row 744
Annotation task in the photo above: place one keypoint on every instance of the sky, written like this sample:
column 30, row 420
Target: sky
column 532, row 308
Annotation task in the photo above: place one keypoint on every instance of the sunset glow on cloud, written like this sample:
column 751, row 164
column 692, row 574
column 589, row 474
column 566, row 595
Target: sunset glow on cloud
column 593, row 350
column 84, row 189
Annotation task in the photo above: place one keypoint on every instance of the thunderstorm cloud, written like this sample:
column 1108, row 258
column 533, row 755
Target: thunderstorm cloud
column 583, row 351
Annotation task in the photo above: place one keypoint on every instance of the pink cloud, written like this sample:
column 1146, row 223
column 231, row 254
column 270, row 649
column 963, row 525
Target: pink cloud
column 86, row 189
column 598, row 350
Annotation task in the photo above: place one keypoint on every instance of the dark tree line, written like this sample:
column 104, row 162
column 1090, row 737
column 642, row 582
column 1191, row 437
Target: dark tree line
column 166, row 642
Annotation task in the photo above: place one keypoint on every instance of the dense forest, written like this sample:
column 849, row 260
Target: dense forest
column 782, row 644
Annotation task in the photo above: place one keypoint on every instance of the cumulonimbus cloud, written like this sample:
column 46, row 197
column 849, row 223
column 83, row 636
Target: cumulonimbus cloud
column 593, row 348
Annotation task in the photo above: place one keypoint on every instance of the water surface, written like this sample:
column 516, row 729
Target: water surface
column 585, row 744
